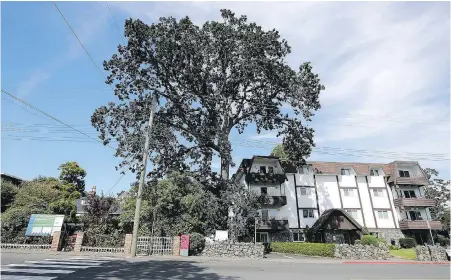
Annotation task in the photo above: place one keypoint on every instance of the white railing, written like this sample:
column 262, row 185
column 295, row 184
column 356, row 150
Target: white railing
column 26, row 246
column 102, row 249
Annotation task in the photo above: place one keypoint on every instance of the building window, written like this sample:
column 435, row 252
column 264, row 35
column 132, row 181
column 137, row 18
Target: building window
column 415, row 215
column 306, row 191
column 382, row 214
column 404, row 173
column 379, row 193
column 374, row 172
column 307, row 213
column 265, row 215
column 83, row 202
column 270, row 170
column 264, row 191
column 345, row 171
column 262, row 237
column 262, row 169
column 298, row 237
column 409, row 194
column 348, row 192
column 353, row 213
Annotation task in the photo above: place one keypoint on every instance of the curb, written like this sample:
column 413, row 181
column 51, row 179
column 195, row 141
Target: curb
column 394, row 262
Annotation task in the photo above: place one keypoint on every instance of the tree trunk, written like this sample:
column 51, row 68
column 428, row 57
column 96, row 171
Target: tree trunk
column 225, row 166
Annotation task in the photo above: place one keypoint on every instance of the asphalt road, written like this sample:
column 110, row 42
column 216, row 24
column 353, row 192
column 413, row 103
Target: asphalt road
column 65, row 266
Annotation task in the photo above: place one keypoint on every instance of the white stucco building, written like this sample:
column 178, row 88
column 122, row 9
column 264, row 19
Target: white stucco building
column 386, row 199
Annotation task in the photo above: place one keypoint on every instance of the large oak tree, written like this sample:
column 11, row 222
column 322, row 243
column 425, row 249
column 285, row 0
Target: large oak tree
column 208, row 80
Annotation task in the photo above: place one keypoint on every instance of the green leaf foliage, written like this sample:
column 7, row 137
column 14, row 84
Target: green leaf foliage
column 307, row 249
column 72, row 174
column 196, row 243
column 8, row 192
column 209, row 80
column 407, row 242
column 369, row 240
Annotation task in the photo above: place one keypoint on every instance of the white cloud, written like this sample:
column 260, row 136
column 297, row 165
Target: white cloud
column 33, row 81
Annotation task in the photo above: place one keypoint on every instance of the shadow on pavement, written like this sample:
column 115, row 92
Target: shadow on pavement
column 146, row 269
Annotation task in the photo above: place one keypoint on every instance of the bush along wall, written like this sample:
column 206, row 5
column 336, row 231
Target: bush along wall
column 407, row 242
column 307, row 249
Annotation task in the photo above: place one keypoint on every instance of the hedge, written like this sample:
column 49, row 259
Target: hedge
column 301, row 248
column 407, row 242
column 369, row 240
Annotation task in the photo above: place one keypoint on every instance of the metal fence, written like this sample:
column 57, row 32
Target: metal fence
column 148, row 245
column 26, row 246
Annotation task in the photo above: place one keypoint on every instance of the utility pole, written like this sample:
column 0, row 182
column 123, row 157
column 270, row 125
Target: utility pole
column 142, row 177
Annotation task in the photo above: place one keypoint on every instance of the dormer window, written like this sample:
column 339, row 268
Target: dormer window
column 374, row 172
column 345, row 171
column 262, row 169
column 404, row 173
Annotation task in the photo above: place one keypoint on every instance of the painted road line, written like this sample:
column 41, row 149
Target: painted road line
column 20, row 277
column 38, row 265
column 79, row 264
column 37, row 271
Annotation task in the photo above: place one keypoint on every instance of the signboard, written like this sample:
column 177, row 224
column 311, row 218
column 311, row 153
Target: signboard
column 221, row 235
column 184, row 245
column 44, row 225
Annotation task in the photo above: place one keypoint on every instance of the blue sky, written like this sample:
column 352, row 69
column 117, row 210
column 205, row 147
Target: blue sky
column 385, row 67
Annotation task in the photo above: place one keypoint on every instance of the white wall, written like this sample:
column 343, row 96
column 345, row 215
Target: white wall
column 366, row 203
column 289, row 211
column 304, row 179
column 414, row 170
column 380, row 201
column 350, row 201
column 307, row 201
column 347, row 180
column 385, row 223
column 307, row 221
column 328, row 195
column 376, row 181
column 390, row 197
column 359, row 217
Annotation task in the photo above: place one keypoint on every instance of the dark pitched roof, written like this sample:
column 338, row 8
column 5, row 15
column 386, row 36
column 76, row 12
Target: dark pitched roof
column 323, row 218
column 13, row 179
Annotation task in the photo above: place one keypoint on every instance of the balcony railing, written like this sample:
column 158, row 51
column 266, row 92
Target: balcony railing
column 274, row 224
column 418, row 180
column 266, row 178
column 414, row 202
column 420, row 224
column 273, row 201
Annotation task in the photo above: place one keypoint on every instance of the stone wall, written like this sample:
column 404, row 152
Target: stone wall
column 389, row 234
column 334, row 237
column 281, row 236
column 430, row 253
column 362, row 252
column 234, row 250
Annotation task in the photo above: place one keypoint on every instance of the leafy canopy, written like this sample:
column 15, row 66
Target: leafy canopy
column 208, row 80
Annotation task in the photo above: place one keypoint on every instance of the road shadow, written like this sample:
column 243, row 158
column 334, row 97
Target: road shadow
column 146, row 269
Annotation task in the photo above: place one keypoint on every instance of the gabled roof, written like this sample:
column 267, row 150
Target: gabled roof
column 323, row 218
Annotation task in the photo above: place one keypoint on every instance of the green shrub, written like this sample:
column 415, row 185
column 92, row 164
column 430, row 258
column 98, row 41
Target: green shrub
column 369, row 240
column 407, row 242
column 196, row 243
column 308, row 249
column 442, row 241
column 382, row 240
column 393, row 247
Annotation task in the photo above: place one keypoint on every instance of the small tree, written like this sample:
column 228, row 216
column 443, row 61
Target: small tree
column 439, row 190
column 72, row 174
column 279, row 152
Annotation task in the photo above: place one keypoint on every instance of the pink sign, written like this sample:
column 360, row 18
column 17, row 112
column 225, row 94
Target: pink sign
column 184, row 242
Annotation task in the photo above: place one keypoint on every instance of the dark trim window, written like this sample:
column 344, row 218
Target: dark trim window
column 262, row 169
column 270, row 170
column 415, row 215
column 345, row 171
column 377, row 192
column 298, row 237
column 403, row 173
column 348, row 192
column 307, row 213
column 410, row 194
column 264, row 191
column 306, row 191
column 374, row 172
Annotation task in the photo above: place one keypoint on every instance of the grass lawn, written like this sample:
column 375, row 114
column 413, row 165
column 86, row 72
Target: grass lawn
column 408, row 254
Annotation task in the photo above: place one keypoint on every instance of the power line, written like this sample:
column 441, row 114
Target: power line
column 120, row 178
column 75, row 34
column 115, row 23
column 53, row 118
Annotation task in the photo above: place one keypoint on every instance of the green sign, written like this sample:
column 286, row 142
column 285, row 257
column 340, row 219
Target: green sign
column 44, row 225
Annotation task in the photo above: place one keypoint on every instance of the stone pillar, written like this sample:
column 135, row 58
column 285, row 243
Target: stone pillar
column 79, row 241
column 176, row 246
column 56, row 241
column 128, row 244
